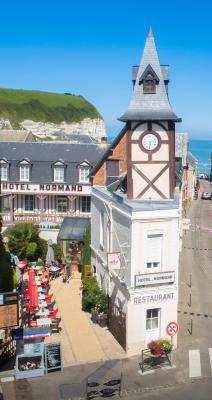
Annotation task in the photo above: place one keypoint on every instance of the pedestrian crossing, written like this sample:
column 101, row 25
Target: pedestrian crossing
column 196, row 364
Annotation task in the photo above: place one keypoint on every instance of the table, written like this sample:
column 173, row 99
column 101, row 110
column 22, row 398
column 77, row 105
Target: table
column 44, row 321
column 43, row 313
column 42, row 304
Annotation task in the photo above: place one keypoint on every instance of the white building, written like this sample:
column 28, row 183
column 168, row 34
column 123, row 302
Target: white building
column 135, row 213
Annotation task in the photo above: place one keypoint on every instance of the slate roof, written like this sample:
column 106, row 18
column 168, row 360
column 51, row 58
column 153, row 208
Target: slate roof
column 43, row 155
column 73, row 228
column 149, row 106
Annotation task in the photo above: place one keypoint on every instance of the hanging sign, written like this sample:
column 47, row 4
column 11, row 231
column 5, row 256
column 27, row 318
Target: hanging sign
column 113, row 261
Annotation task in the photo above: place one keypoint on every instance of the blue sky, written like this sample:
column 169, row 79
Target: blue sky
column 89, row 47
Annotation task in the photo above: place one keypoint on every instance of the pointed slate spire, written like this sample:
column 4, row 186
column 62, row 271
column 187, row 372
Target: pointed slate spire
column 149, row 106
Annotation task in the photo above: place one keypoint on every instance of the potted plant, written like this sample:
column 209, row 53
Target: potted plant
column 160, row 346
column 166, row 346
column 155, row 347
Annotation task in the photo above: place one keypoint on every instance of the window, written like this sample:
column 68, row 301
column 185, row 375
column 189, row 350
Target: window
column 5, row 203
column 154, row 251
column 4, row 171
column 28, row 203
column 152, row 318
column 24, row 172
column 149, row 85
column 112, row 171
column 59, row 174
column 85, row 204
column 83, row 174
column 62, row 204
column 101, row 242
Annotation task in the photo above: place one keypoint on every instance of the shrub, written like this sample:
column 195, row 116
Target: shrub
column 93, row 296
column 86, row 252
column 58, row 254
column 89, row 282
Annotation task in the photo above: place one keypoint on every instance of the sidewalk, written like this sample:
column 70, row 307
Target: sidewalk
column 82, row 341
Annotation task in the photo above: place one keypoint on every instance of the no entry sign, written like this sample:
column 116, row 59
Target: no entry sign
column 172, row 328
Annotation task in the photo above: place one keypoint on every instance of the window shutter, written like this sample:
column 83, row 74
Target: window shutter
column 154, row 248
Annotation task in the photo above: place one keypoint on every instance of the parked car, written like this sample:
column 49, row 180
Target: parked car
column 206, row 195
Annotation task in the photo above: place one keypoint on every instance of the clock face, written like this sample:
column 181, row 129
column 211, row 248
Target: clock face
column 150, row 141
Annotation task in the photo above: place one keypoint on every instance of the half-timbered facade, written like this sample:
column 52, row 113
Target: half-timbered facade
column 135, row 212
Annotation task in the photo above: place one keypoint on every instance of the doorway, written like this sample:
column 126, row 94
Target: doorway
column 152, row 325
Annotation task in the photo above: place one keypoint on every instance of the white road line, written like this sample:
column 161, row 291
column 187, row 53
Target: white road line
column 194, row 364
column 210, row 357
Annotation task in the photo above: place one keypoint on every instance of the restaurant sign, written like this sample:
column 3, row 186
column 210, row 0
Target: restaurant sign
column 113, row 261
column 9, row 315
column 154, row 279
column 155, row 297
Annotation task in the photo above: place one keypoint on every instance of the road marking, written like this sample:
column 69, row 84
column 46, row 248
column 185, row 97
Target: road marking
column 210, row 357
column 8, row 379
column 194, row 364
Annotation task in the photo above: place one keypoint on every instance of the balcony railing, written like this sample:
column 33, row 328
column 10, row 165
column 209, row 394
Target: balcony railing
column 37, row 218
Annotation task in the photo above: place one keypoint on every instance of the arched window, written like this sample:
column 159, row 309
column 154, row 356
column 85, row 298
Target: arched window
column 24, row 170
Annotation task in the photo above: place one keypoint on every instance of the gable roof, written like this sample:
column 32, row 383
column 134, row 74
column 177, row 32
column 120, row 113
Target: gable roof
column 149, row 106
column 108, row 151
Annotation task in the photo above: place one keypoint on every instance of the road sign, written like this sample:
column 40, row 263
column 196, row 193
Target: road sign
column 172, row 328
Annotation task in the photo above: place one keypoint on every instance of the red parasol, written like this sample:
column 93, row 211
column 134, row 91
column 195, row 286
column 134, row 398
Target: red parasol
column 31, row 277
column 33, row 294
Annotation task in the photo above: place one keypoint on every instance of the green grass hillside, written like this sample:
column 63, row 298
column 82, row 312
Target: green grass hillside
column 18, row 105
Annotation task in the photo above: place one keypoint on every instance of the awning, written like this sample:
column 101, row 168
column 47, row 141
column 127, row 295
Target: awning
column 73, row 228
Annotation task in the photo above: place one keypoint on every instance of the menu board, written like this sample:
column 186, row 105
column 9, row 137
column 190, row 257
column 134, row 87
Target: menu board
column 9, row 310
column 8, row 315
column 53, row 356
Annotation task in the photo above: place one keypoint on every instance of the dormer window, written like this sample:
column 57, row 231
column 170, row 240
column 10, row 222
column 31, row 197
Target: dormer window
column 149, row 79
column 149, row 85
column 59, row 172
column 4, row 167
column 24, row 171
column 84, row 171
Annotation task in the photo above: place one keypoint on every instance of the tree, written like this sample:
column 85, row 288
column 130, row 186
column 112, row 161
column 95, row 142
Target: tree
column 7, row 273
column 24, row 241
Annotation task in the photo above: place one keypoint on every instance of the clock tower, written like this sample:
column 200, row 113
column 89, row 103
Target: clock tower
column 150, row 124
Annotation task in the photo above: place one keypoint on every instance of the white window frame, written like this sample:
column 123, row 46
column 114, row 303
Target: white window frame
column 59, row 173
column 24, row 171
column 81, row 201
column 84, row 171
column 61, row 199
column 150, row 321
column 4, row 171
column 154, row 265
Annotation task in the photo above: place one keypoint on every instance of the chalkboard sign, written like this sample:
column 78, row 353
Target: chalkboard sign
column 53, row 356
